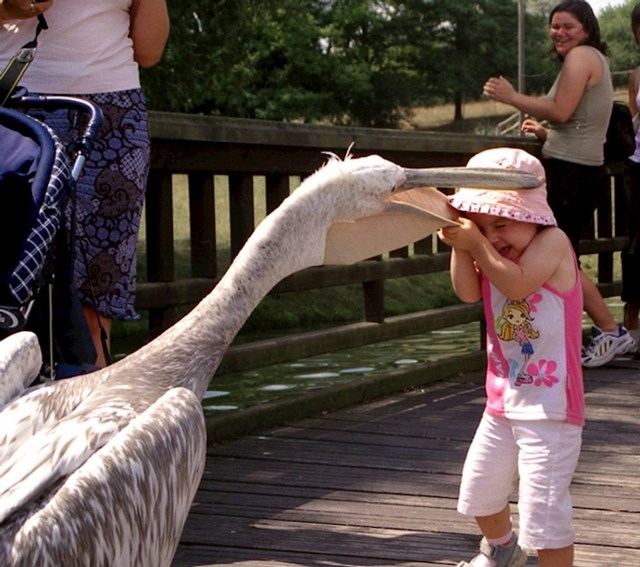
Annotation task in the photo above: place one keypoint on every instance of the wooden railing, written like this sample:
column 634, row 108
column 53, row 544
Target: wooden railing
column 281, row 154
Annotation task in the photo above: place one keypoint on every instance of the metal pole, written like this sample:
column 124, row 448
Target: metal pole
column 521, row 63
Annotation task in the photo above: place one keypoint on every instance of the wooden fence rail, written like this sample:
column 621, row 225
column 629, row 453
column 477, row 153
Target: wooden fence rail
column 245, row 150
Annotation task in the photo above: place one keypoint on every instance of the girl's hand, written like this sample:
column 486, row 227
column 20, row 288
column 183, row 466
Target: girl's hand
column 22, row 9
column 466, row 236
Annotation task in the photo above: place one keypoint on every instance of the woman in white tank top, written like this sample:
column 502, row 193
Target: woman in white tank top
column 93, row 49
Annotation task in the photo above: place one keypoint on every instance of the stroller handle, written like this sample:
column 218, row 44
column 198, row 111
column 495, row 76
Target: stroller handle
column 91, row 110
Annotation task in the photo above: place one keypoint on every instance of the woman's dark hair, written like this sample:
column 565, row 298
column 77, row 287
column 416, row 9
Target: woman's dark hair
column 582, row 11
column 635, row 23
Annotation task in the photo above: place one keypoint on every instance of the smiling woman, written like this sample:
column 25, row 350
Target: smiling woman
column 573, row 148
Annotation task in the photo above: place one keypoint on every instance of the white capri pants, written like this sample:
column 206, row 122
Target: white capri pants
column 544, row 454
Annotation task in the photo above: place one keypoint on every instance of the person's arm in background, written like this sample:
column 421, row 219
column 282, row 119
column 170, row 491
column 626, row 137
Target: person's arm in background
column 22, row 9
column 580, row 68
column 531, row 126
column 149, row 30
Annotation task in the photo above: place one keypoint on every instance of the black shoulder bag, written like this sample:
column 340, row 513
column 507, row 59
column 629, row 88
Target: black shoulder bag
column 621, row 139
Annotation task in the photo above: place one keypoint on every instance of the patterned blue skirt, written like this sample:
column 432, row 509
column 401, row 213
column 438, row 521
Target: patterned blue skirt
column 109, row 198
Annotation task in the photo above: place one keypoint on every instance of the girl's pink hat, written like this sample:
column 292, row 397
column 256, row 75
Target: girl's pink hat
column 524, row 205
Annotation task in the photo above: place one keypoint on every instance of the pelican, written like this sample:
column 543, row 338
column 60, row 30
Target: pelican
column 101, row 469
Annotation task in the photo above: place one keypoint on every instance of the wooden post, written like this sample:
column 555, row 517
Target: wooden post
column 160, row 250
column 241, row 210
column 202, row 219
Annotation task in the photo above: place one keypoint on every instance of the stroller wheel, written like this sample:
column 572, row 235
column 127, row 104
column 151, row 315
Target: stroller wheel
column 11, row 318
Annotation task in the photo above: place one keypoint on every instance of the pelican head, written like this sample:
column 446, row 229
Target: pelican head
column 384, row 206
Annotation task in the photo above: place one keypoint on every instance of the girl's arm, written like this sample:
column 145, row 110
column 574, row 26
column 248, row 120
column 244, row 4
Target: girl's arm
column 149, row 30
column 581, row 65
column 545, row 260
column 465, row 277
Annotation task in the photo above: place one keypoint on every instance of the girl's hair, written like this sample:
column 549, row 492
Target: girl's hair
column 582, row 11
column 635, row 23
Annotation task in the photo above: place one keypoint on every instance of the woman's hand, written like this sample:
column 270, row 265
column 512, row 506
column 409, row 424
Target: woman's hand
column 498, row 88
column 530, row 126
column 22, row 9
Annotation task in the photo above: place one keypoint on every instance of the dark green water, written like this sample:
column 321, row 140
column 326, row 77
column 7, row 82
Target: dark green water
column 231, row 391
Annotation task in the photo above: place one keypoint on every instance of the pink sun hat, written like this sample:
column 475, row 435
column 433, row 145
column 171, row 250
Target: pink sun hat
column 524, row 205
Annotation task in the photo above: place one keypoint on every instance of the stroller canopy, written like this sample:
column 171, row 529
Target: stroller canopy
column 34, row 178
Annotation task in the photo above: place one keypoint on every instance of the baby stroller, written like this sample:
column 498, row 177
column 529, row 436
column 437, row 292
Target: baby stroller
column 37, row 176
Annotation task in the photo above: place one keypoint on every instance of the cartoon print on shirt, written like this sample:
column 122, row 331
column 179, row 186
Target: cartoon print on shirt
column 515, row 325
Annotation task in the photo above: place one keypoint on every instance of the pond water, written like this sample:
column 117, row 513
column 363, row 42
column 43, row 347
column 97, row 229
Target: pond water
column 234, row 390
column 231, row 391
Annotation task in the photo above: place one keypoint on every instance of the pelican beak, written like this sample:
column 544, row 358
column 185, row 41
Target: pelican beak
column 481, row 178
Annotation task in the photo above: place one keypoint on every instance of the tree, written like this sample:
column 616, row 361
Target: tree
column 615, row 24
column 374, row 82
column 360, row 62
column 471, row 41
column 248, row 58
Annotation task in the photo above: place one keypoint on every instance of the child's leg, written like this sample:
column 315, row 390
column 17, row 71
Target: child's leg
column 489, row 470
column 487, row 482
column 556, row 557
column 549, row 452
column 497, row 525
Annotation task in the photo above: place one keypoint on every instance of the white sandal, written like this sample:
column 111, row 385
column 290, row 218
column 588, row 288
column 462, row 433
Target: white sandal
column 503, row 556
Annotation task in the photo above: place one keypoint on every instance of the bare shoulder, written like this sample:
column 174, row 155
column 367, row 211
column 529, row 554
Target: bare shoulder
column 554, row 244
column 583, row 52
column 560, row 255
column 584, row 55
column 552, row 235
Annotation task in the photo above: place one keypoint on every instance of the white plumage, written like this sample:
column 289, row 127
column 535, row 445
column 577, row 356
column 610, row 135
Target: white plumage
column 20, row 362
column 101, row 469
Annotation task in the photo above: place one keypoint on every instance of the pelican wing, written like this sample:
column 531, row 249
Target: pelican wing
column 407, row 217
column 38, row 408
column 134, row 494
column 51, row 430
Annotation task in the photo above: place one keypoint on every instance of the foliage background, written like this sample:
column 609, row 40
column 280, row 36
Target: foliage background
column 359, row 62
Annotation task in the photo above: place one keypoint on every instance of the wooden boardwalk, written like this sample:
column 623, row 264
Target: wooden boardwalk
column 376, row 484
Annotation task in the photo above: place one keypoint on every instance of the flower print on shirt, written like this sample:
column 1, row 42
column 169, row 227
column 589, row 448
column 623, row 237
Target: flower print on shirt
column 515, row 325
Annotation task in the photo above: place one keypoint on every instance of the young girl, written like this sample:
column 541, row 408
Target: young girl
column 509, row 252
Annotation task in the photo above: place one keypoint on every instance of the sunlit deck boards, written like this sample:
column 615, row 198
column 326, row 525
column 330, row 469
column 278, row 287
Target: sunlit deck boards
column 376, row 485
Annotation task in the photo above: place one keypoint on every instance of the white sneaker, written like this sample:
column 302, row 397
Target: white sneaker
column 604, row 347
